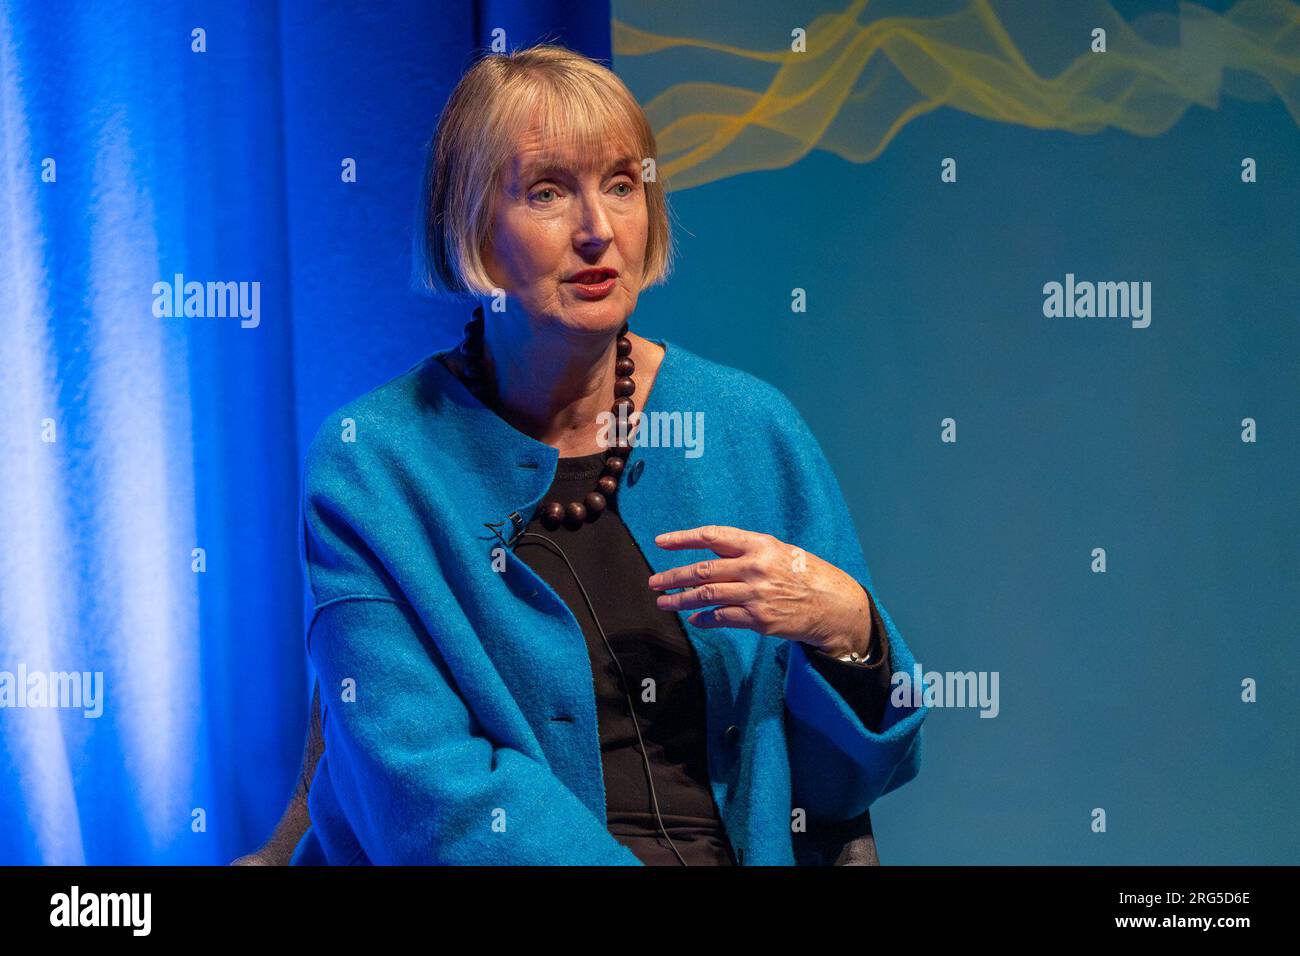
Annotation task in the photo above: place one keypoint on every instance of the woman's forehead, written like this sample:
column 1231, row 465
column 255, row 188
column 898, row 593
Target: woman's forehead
column 595, row 143
column 532, row 158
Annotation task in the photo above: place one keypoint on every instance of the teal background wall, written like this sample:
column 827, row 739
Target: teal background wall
column 1119, row 690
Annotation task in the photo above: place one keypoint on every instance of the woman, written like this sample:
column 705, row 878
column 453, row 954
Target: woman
column 539, row 642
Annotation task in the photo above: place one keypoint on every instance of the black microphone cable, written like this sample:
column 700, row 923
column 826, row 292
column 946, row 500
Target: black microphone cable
column 645, row 759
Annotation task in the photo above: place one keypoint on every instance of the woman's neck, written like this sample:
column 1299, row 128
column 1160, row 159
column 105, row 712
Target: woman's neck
column 553, row 386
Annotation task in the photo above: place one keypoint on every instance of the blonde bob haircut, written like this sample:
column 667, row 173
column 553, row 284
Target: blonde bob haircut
column 573, row 101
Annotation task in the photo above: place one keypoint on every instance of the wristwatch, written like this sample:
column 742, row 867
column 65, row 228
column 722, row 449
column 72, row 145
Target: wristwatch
column 877, row 641
column 864, row 660
column 853, row 657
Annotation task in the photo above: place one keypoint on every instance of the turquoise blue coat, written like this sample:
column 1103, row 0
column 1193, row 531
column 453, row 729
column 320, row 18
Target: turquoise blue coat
column 457, row 702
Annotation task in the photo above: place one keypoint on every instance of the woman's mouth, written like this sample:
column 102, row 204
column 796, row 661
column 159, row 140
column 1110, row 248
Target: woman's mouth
column 593, row 283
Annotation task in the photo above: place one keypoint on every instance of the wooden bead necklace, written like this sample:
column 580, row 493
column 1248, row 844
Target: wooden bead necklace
column 554, row 513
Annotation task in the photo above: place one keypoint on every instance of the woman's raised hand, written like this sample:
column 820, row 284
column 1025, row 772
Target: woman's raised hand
column 761, row 583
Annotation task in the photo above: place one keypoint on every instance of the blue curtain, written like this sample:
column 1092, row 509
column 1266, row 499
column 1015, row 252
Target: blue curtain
column 150, row 473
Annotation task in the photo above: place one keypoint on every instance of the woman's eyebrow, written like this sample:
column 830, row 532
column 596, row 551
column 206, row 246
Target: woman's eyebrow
column 543, row 168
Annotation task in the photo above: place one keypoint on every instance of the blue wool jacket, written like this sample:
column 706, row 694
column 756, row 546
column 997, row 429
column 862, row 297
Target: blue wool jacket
column 457, row 701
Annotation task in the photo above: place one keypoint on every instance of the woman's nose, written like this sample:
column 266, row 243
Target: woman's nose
column 594, row 224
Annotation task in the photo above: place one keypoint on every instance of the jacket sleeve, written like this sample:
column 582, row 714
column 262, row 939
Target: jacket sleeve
column 838, row 766
column 865, row 687
column 416, row 776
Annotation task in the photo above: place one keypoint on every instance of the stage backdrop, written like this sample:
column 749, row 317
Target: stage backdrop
column 872, row 202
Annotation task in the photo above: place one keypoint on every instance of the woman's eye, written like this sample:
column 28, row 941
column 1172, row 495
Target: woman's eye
column 542, row 194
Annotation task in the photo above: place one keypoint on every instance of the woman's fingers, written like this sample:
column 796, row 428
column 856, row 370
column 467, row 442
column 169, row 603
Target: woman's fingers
column 721, row 539
column 731, row 615
column 706, row 595
column 728, row 581
column 701, row 572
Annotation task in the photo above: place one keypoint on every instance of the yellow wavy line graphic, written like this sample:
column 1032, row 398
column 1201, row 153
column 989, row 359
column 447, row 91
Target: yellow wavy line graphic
column 857, row 84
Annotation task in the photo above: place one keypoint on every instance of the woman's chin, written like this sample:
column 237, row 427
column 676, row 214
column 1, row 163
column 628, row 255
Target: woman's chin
column 604, row 315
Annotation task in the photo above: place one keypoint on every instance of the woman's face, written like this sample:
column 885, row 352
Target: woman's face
column 558, row 213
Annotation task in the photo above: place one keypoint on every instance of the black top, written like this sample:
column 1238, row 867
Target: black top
column 660, row 668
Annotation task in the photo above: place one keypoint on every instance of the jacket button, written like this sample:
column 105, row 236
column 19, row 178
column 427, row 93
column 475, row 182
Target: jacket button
column 634, row 475
column 731, row 735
